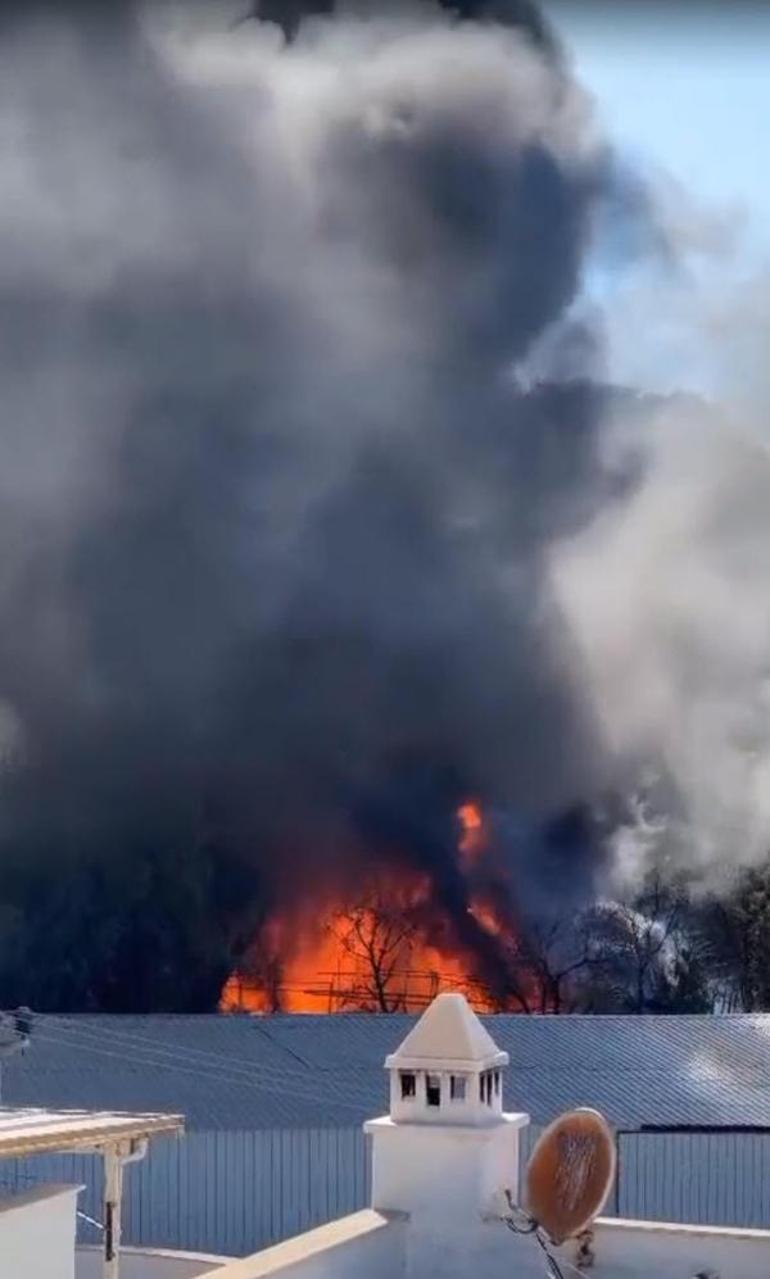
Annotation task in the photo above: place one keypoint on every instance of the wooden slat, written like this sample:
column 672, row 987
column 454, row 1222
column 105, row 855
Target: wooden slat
column 34, row 1131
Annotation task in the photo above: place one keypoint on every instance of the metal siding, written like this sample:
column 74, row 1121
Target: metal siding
column 719, row 1179
column 235, row 1192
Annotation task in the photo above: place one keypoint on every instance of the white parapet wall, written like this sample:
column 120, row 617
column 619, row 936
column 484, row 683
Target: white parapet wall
column 626, row 1249
column 148, row 1263
column 365, row 1245
column 37, row 1233
column 373, row 1245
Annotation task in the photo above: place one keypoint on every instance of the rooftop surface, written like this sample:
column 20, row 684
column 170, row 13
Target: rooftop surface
column 241, row 1072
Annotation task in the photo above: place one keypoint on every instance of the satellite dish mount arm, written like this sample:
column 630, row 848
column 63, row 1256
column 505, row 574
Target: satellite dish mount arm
column 521, row 1223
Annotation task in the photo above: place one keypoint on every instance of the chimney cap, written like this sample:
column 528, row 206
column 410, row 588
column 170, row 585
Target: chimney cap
column 448, row 1034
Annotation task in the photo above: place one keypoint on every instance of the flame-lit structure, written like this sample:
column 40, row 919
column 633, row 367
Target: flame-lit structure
column 386, row 948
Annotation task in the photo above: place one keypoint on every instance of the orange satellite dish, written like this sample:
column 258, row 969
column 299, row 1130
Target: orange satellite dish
column 570, row 1174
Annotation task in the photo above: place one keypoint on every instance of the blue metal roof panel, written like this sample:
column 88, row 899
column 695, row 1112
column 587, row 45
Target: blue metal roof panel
column 313, row 1071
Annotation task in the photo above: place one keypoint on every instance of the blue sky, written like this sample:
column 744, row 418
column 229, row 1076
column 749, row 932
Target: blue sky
column 684, row 91
column 687, row 87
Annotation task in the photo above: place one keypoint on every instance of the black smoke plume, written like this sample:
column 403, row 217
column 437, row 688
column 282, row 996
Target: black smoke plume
column 275, row 511
column 522, row 14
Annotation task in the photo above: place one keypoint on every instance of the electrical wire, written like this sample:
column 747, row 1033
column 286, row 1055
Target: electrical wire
column 221, row 1077
column 91, row 1220
column 521, row 1222
column 26, row 1179
column 251, row 1079
column 253, row 1074
column 129, row 1041
column 125, row 1038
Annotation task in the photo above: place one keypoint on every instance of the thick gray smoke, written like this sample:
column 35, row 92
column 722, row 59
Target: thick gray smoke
column 666, row 596
column 278, row 522
column 523, row 15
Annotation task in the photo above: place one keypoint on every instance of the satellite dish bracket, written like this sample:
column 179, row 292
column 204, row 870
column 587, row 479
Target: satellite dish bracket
column 521, row 1223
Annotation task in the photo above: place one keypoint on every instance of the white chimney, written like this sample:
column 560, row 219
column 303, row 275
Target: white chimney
column 447, row 1150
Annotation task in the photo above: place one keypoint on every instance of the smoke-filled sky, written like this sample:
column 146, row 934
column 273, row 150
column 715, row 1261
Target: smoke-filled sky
column 315, row 518
column 681, row 90
column 713, row 60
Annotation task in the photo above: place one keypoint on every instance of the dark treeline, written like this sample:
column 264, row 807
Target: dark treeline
column 667, row 948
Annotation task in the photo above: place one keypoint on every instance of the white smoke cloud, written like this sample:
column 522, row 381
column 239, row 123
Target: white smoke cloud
column 669, row 600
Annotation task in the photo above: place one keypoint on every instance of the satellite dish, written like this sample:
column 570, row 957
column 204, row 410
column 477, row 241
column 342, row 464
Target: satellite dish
column 570, row 1174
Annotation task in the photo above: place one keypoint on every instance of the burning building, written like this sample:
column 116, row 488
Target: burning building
column 279, row 513
column 387, row 945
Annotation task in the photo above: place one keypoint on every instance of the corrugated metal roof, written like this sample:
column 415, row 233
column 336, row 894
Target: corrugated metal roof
column 248, row 1072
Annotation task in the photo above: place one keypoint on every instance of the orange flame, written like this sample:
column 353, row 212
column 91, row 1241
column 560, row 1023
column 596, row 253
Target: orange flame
column 370, row 954
column 473, row 840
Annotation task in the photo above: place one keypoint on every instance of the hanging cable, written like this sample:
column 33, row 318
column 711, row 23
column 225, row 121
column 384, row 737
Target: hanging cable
column 73, row 1024
column 299, row 1084
column 160, row 1059
column 91, row 1220
column 521, row 1223
column 253, row 1081
column 68, row 1030
column 120, row 1038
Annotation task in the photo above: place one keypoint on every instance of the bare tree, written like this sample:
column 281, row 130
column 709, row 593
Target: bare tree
column 379, row 939
column 644, row 952
column 543, row 967
column 561, row 952
column 262, row 968
column 734, row 936
column 548, row 965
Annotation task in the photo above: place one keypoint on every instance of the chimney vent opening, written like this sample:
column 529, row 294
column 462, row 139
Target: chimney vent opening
column 408, row 1085
column 433, row 1090
column 458, row 1085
